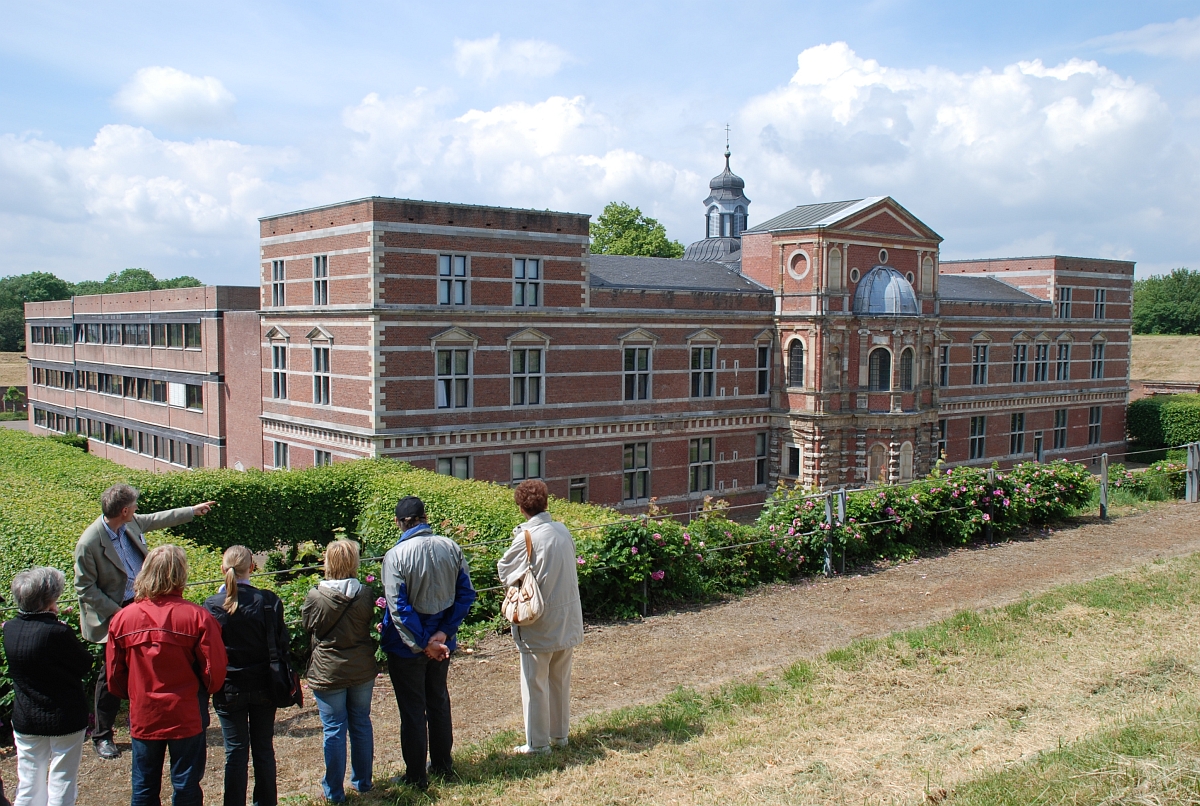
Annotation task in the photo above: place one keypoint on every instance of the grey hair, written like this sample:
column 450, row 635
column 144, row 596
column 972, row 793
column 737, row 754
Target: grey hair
column 116, row 498
column 38, row 588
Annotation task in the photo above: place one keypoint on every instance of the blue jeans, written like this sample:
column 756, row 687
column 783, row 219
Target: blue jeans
column 248, row 727
column 341, row 710
column 187, row 768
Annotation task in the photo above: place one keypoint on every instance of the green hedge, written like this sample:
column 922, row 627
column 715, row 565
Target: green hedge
column 1161, row 421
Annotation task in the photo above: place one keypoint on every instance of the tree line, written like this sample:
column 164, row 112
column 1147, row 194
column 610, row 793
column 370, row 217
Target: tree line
column 1168, row 305
column 40, row 286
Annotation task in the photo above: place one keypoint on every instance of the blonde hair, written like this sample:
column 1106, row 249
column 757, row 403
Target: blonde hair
column 237, row 561
column 164, row 571
column 341, row 559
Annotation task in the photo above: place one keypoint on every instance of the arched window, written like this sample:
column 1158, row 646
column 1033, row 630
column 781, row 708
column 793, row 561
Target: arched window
column 714, row 222
column 796, row 363
column 906, row 370
column 835, row 370
column 906, row 462
column 877, row 464
column 926, row 365
column 835, row 269
column 726, row 225
column 927, row 275
column 879, row 375
column 739, row 221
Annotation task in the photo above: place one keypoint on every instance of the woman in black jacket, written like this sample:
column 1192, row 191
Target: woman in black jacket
column 248, row 616
column 47, row 663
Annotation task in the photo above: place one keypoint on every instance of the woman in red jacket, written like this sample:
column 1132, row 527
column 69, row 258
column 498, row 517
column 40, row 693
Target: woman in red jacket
column 166, row 655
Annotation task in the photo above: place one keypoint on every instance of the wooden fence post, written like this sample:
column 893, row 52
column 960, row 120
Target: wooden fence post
column 1193, row 473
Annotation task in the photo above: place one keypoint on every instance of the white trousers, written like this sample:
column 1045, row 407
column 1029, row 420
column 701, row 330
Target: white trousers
column 48, row 769
column 546, row 695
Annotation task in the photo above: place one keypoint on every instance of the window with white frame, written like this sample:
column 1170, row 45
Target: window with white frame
column 1064, row 302
column 703, row 371
column 1041, row 362
column 979, row 365
column 1097, row 360
column 278, row 281
column 527, row 282
column 1062, row 364
column 1060, row 429
column 453, row 378
column 320, row 279
column 976, row 443
column 281, row 456
column 944, row 365
column 527, row 376
column 764, row 369
column 526, row 465
column 279, row 371
column 452, row 280
column 1020, row 362
column 322, row 458
column 1099, row 303
column 760, row 458
column 940, row 444
column 1094, row 425
column 636, row 476
column 321, row 375
column 457, row 466
column 700, row 464
column 637, row 373
column 1016, row 433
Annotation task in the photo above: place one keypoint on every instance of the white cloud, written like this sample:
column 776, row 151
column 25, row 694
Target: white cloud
column 172, row 97
column 1180, row 39
column 487, row 59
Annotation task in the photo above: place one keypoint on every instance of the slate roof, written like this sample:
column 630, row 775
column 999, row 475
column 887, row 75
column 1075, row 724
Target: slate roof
column 824, row 214
column 968, row 288
column 668, row 274
column 722, row 250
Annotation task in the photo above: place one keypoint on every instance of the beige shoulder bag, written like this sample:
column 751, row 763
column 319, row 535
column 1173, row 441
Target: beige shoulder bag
column 523, row 601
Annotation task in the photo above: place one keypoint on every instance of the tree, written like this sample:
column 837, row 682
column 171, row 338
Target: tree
column 14, row 397
column 132, row 280
column 1168, row 305
column 12, row 330
column 37, row 286
column 624, row 230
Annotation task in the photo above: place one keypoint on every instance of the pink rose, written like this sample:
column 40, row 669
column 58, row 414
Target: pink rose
column 370, row 578
column 381, row 602
column 580, row 560
column 658, row 575
column 633, row 549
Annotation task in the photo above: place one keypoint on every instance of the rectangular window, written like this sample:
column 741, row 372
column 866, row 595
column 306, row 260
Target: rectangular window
column 321, row 376
column 281, row 456
column 760, row 458
column 526, row 465
column 526, row 377
column 35, row 337
column 940, row 446
column 1016, row 434
column 279, row 371
column 979, row 365
column 1060, row 429
column 277, row 284
column 1099, row 303
column 108, row 384
column 177, row 395
column 1020, row 362
column 637, row 373
column 457, row 466
column 764, row 371
column 1094, row 425
column 320, row 279
column 162, row 449
column 158, row 335
column 195, row 455
column 636, row 486
column 1064, row 302
column 452, row 280
column 191, row 336
column 976, row 443
column 1097, row 360
column 137, row 335
column 322, row 458
column 1041, row 362
column 1062, row 366
column 578, row 490
column 527, row 282
column 453, row 378
column 131, row 440
column 158, row 391
column 195, row 397
column 700, row 464
column 704, row 378
column 111, row 333
column 944, row 365
column 793, row 460
column 93, row 333
column 175, row 335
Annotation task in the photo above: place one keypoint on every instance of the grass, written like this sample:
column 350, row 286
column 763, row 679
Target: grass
column 13, row 370
column 13, row 415
column 1081, row 695
column 1166, row 358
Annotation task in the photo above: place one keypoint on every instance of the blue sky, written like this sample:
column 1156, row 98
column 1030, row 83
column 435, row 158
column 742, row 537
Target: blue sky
column 154, row 135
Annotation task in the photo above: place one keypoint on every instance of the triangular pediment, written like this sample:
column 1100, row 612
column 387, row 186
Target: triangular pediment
column 1043, row 336
column 276, row 332
column 529, row 335
column 638, row 334
column 457, row 334
column 703, row 334
column 886, row 217
column 766, row 334
column 319, row 333
column 1021, row 336
column 981, row 336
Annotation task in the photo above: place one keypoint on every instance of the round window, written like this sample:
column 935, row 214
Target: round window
column 854, row 275
column 909, row 276
column 883, row 256
column 798, row 265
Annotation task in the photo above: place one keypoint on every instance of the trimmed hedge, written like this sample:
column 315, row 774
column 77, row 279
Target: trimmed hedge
column 1160, row 421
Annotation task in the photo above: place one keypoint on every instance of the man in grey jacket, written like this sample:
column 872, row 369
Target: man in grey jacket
column 428, row 589
column 108, row 557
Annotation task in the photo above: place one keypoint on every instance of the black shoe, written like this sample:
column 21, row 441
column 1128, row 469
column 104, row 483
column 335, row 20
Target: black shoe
column 106, row 749
column 443, row 775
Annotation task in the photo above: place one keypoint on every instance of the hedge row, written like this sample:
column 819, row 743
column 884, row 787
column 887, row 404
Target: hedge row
column 1161, row 421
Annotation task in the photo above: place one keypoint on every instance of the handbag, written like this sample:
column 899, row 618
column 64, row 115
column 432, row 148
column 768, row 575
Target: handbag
column 523, row 602
column 284, row 686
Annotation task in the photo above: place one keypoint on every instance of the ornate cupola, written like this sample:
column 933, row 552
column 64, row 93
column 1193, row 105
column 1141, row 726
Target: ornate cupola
column 725, row 219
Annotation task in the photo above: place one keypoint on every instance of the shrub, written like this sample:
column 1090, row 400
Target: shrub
column 1161, row 421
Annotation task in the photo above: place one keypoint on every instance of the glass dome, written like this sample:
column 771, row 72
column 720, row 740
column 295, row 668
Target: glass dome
column 885, row 292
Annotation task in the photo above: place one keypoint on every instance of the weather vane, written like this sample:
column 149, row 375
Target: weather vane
column 727, row 140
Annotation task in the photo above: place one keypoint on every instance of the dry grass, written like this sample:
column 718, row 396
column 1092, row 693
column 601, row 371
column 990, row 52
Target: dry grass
column 1166, row 358
column 12, row 370
column 888, row 720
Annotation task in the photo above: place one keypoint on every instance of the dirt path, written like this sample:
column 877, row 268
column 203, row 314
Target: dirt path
column 626, row 664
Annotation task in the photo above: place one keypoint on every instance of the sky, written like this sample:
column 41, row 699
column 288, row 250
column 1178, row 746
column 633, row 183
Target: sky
column 156, row 134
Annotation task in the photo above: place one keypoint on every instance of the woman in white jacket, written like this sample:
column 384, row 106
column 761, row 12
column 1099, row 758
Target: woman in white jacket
column 547, row 644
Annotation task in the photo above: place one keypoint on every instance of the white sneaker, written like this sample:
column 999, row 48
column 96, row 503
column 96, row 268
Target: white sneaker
column 559, row 742
column 526, row 750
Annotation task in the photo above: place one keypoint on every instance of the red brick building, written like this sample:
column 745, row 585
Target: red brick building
column 829, row 344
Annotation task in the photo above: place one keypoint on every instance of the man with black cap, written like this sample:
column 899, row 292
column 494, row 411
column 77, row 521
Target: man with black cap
column 428, row 589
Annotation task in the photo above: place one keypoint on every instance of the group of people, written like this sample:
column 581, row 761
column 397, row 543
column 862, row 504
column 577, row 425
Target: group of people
column 168, row 656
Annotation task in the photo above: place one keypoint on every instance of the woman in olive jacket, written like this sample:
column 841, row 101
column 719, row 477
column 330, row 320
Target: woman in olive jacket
column 338, row 614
